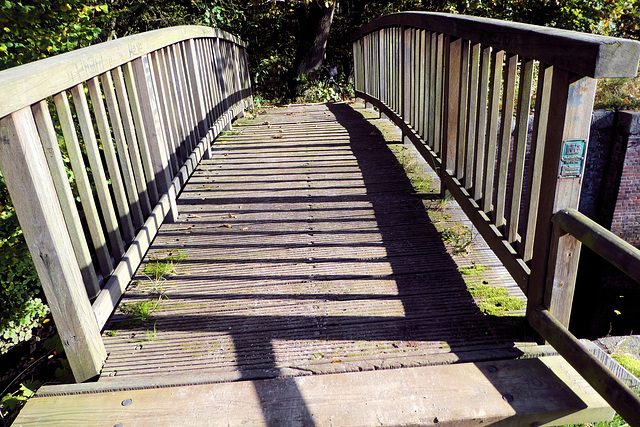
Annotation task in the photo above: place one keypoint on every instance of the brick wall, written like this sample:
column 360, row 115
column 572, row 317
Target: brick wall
column 626, row 214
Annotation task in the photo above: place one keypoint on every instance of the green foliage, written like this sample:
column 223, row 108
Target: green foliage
column 20, row 306
column 11, row 401
column 32, row 29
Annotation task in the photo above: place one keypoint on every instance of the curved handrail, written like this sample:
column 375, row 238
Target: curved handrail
column 37, row 80
column 133, row 117
column 584, row 54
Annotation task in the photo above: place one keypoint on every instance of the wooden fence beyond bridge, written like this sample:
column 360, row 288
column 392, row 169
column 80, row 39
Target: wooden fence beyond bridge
column 266, row 290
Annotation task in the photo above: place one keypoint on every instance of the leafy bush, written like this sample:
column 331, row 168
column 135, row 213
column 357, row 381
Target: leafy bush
column 32, row 29
column 20, row 306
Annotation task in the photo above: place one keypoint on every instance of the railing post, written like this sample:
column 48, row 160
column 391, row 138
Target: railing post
column 555, row 255
column 24, row 167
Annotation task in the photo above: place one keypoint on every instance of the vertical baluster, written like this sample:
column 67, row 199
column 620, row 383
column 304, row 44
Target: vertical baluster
column 216, row 96
column 382, row 80
column 406, row 112
column 520, row 146
column 423, row 84
column 481, row 126
column 177, row 84
column 555, row 259
column 450, row 102
column 126, row 168
column 439, row 95
column 24, row 167
column 141, row 133
column 432, row 90
column 82, row 183
column 97, row 171
column 132, row 141
column 150, row 122
column 497, row 59
column 165, row 107
column 219, row 62
column 65, row 196
column 504, row 143
column 115, row 176
column 207, row 87
column 536, row 158
column 463, row 111
column 470, row 131
column 193, row 69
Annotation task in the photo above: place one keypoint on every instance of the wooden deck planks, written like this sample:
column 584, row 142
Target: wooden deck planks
column 304, row 253
column 506, row 393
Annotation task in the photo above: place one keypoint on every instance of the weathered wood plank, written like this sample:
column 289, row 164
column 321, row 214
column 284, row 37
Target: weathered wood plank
column 538, row 138
column 128, row 175
column 504, row 143
column 132, row 143
column 497, row 59
column 612, row 248
column 97, row 171
column 83, row 184
column 471, row 140
column 481, row 126
column 65, row 196
column 37, row 80
column 111, row 159
column 619, row 396
column 571, row 103
column 138, row 111
column 461, row 394
column 520, row 145
column 151, row 123
column 34, row 196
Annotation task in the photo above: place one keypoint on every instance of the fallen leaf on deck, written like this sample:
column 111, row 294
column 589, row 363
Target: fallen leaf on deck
column 226, row 226
column 231, row 216
column 277, row 136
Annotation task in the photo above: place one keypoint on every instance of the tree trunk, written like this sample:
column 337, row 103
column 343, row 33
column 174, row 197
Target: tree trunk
column 315, row 22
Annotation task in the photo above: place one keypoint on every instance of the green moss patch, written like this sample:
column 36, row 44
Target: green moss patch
column 495, row 301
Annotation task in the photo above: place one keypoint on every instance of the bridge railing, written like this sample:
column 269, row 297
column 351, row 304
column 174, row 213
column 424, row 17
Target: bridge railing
column 466, row 91
column 95, row 146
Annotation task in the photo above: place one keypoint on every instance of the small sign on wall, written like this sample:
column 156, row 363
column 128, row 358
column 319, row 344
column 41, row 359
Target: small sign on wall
column 572, row 160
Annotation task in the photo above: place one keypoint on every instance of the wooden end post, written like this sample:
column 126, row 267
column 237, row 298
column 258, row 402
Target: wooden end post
column 24, row 167
column 555, row 255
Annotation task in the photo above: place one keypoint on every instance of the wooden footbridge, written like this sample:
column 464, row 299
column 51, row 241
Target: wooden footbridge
column 287, row 272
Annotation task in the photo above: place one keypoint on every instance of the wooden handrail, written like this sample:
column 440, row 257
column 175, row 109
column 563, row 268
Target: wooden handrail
column 148, row 107
column 584, row 54
column 624, row 256
column 611, row 388
column 37, row 80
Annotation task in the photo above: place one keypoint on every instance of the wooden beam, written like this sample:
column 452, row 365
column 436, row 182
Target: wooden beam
column 25, row 170
column 513, row 392
column 30, row 83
